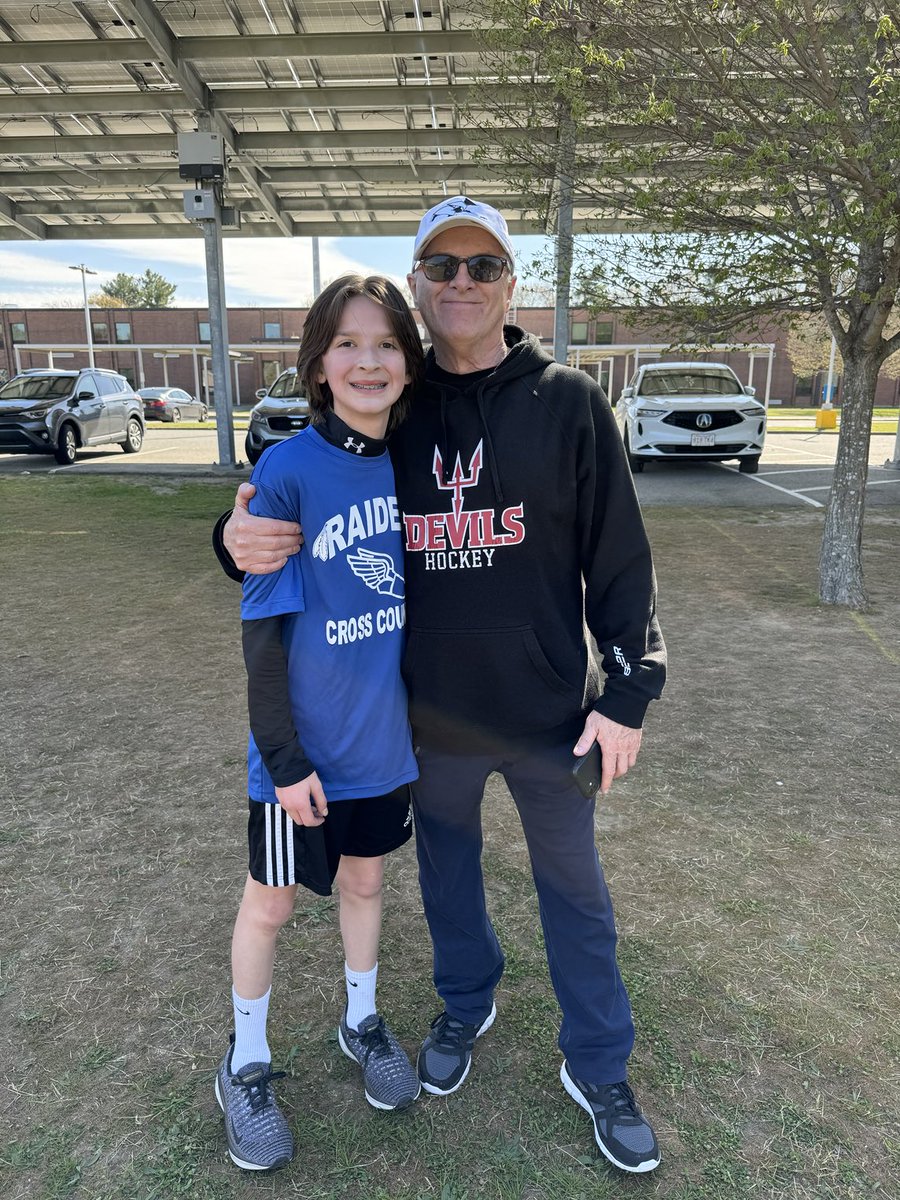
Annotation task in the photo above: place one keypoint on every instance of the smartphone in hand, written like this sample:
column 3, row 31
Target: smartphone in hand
column 586, row 772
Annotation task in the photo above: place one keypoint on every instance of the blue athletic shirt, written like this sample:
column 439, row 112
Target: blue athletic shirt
column 342, row 599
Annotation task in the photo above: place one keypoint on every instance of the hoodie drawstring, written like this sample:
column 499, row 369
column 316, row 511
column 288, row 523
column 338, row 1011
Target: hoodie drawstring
column 447, row 468
column 492, row 457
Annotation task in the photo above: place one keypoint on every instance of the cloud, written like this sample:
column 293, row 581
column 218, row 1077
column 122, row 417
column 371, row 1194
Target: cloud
column 262, row 272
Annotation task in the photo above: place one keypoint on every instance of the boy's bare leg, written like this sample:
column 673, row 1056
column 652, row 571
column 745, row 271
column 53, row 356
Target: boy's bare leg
column 262, row 913
column 359, row 883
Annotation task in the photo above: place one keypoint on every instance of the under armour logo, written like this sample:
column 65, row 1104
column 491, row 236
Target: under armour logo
column 358, row 447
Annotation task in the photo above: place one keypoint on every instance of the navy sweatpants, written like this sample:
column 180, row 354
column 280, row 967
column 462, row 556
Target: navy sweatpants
column 597, row 1033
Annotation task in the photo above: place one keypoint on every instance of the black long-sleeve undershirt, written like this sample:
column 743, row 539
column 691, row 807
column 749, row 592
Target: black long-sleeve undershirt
column 269, row 702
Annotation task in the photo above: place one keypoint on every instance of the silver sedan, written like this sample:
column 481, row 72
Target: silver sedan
column 171, row 404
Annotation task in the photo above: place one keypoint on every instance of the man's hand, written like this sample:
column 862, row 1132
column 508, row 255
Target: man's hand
column 304, row 802
column 619, row 746
column 258, row 545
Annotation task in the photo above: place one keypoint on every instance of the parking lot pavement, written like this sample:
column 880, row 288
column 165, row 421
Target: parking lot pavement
column 167, row 450
column 795, row 470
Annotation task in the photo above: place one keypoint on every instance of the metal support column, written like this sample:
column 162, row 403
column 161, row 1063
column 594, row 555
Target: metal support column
column 218, row 336
column 563, row 238
column 317, row 278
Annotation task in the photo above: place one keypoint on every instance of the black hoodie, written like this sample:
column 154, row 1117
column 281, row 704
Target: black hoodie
column 521, row 522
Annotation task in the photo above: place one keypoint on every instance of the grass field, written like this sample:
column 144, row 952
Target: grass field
column 753, row 856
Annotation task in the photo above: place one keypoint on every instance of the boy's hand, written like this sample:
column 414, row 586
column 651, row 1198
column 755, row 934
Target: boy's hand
column 258, row 545
column 304, row 802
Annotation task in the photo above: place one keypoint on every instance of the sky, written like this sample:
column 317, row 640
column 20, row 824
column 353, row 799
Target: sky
column 259, row 272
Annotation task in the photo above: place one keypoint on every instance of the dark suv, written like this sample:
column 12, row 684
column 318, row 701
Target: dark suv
column 45, row 411
column 282, row 411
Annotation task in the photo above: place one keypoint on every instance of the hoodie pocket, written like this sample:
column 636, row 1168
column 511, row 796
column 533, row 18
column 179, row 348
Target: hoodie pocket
column 498, row 679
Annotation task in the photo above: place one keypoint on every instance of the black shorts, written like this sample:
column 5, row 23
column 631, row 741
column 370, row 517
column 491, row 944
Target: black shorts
column 282, row 853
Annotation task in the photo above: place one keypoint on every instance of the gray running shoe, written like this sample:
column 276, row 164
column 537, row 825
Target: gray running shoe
column 388, row 1077
column 446, row 1053
column 259, row 1138
column 621, row 1130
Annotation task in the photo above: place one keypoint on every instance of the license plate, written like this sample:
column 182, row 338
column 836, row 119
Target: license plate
column 702, row 441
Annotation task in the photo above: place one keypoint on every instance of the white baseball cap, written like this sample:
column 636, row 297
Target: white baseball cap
column 460, row 210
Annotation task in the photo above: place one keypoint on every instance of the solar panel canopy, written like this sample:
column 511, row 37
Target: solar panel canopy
column 338, row 119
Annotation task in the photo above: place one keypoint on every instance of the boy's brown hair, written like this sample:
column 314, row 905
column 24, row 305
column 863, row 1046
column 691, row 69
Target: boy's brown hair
column 323, row 322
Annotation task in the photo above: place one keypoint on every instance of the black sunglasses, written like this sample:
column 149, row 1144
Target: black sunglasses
column 482, row 268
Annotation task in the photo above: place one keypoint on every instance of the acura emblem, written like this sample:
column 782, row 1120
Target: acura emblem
column 704, row 420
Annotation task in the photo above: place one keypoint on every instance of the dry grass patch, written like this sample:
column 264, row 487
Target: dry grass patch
column 753, row 858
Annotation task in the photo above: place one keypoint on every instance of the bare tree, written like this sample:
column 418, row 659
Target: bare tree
column 757, row 144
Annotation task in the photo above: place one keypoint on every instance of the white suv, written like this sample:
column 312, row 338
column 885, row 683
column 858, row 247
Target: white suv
column 693, row 411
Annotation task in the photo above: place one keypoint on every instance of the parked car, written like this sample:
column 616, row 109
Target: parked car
column 282, row 411
column 45, row 411
column 171, row 404
column 690, row 411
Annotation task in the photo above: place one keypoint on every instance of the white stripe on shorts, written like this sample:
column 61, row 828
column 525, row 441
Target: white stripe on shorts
column 292, row 878
column 280, row 814
column 269, row 826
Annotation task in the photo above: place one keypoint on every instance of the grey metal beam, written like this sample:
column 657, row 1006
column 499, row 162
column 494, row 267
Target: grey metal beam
column 390, row 139
column 78, row 143
column 130, row 206
column 407, row 228
column 27, row 227
column 363, row 99
column 246, row 47
column 124, row 177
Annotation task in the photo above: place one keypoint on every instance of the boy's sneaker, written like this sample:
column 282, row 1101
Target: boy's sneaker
column 388, row 1077
column 446, row 1053
column 259, row 1138
column 621, row 1130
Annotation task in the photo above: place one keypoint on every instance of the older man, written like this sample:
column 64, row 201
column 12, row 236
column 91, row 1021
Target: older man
column 521, row 522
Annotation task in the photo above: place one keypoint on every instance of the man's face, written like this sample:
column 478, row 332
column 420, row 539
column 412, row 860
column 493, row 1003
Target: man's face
column 460, row 311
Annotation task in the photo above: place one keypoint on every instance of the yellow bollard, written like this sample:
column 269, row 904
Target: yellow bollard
column 826, row 418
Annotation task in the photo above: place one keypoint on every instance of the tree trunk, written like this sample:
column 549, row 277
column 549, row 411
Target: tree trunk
column 840, row 562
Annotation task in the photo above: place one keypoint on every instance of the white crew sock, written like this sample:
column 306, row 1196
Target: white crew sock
column 250, row 1045
column 360, row 994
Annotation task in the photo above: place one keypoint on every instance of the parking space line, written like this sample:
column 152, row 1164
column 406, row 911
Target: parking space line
column 869, row 483
column 766, row 483
column 794, row 450
column 794, row 471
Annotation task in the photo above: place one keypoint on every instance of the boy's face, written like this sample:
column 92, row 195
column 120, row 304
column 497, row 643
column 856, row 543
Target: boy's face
column 365, row 367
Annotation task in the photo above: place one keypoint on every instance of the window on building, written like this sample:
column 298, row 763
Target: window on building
column 272, row 329
column 804, row 385
column 271, row 371
column 100, row 331
column 129, row 375
column 203, row 331
column 603, row 333
column 123, row 331
column 579, row 335
column 17, row 331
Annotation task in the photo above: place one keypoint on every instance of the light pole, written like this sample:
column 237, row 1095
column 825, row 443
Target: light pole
column 85, row 271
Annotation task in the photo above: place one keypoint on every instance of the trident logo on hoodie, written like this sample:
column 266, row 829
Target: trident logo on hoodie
column 462, row 538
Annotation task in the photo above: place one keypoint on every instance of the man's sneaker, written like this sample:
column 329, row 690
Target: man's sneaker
column 388, row 1077
column 259, row 1138
column 622, row 1131
column 446, row 1053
